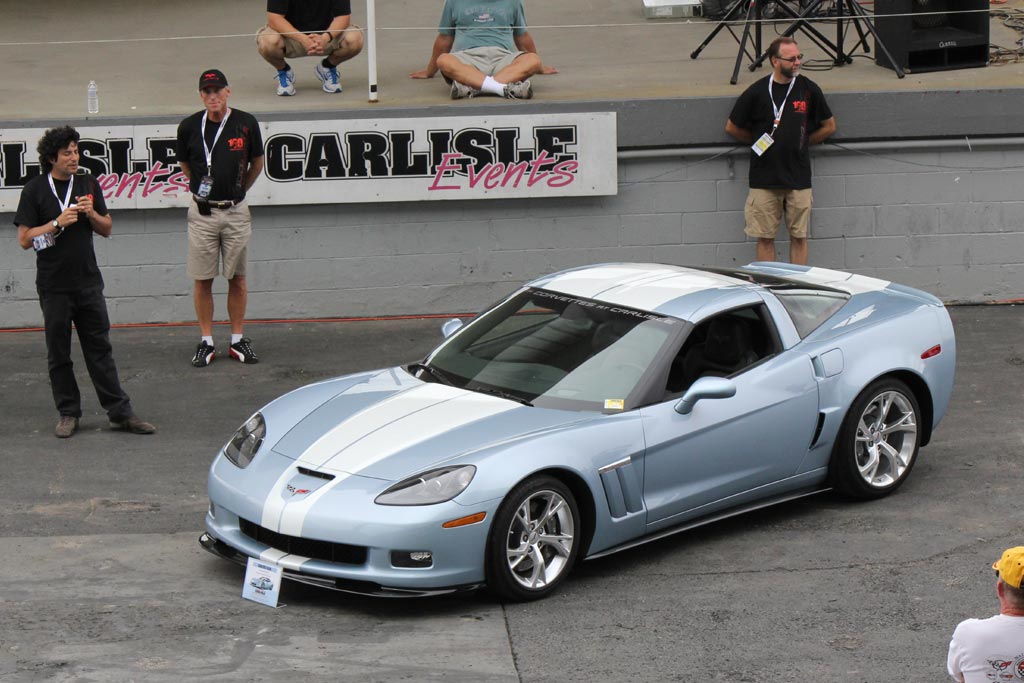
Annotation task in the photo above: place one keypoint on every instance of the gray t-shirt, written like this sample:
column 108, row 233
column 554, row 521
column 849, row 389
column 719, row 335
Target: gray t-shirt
column 483, row 23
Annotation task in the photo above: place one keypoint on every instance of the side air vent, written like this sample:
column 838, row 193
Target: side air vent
column 621, row 488
column 817, row 430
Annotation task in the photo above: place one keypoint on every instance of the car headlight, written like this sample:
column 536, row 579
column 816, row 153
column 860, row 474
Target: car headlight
column 435, row 486
column 246, row 441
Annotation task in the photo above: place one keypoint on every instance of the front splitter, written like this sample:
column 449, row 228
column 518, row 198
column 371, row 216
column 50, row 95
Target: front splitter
column 223, row 550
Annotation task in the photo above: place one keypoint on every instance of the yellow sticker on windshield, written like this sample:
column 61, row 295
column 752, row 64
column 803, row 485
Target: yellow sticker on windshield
column 614, row 404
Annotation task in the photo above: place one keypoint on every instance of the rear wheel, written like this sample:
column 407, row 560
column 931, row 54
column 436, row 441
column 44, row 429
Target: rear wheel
column 878, row 441
column 534, row 540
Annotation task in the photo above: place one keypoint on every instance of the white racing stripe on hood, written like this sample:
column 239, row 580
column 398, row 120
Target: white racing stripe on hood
column 373, row 418
column 424, row 412
column 274, row 503
column 295, row 511
column 285, row 514
column 415, row 428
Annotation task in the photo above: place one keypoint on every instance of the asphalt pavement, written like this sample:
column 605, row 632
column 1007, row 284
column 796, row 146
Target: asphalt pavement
column 102, row 578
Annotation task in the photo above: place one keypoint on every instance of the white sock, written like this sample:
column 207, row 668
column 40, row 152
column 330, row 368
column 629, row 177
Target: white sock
column 208, row 340
column 235, row 338
column 493, row 87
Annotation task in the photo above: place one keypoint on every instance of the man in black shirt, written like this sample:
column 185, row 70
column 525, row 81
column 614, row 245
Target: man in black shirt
column 220, row 149
column 309, row 28
column 781, row 115
column 57, row 215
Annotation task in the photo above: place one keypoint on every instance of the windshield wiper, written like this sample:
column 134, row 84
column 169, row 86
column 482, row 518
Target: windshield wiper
column 432, row 371
column 503, row 394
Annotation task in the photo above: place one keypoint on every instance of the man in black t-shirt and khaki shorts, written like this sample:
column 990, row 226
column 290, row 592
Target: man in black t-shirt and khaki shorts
column 780, row 116
column 220, row 149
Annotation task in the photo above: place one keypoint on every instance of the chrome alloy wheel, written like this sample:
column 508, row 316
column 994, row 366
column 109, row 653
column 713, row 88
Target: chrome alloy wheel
column 540, row 539
column 886, row 439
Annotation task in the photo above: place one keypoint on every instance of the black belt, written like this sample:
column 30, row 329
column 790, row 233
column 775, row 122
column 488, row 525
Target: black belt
column 226, row 204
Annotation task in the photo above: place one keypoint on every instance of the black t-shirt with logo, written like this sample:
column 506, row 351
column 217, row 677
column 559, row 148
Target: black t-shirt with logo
column 239, row 143
column 787, row 163
column 70, row 264
column 310, row 16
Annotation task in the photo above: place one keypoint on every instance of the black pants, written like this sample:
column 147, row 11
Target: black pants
column 87, row 309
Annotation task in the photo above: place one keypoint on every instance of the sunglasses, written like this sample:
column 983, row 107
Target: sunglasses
column 792, row 59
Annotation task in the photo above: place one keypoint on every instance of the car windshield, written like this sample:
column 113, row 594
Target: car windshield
column 557, row 351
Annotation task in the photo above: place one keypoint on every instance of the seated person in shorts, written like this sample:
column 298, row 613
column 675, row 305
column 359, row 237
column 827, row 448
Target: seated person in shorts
column 484, row 48
column 309, row 28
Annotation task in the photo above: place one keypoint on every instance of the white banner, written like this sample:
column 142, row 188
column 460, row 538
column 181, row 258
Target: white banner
column 345, row 161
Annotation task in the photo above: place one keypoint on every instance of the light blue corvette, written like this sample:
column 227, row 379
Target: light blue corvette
column 590, row 411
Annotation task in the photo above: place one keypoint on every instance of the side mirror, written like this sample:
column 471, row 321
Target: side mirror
column 705, row 387
column 450, row 327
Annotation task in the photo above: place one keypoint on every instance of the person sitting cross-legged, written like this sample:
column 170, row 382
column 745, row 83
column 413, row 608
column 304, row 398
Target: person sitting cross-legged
column 483, row 48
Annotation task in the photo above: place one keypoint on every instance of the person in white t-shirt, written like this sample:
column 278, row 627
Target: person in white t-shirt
column 992, row 649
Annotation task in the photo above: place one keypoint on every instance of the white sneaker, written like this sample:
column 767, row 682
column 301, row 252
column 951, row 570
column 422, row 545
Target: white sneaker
column 520, row 90
column 285, row 83
column 328, row 75
column 461, row 92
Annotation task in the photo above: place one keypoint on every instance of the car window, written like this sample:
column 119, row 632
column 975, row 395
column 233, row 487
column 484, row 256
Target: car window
column 557, row 351
column 723, row 346
column 809, row 308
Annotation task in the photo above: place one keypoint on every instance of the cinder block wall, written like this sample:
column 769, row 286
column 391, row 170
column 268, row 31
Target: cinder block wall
column 951, row 223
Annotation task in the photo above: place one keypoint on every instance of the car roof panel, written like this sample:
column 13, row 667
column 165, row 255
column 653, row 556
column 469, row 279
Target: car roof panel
column 671, row 290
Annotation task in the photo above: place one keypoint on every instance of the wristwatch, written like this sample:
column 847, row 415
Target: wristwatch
column 57, row 228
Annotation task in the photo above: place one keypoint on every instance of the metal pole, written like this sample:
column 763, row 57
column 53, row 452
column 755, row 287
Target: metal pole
column 956, row 144
column 371, row 48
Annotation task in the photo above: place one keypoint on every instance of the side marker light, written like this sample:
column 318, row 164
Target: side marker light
column 934, row 351
column 465, row 521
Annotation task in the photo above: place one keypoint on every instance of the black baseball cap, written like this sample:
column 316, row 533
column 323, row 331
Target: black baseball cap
column 213, row 78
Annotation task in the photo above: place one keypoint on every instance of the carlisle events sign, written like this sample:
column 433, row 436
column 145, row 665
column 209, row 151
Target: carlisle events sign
column 342, row 161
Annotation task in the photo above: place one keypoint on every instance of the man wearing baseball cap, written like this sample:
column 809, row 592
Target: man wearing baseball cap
column 984, row 650
column 220, row 149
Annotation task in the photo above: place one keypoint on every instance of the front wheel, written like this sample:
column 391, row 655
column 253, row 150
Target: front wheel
column 534, row 540
column 878, row 441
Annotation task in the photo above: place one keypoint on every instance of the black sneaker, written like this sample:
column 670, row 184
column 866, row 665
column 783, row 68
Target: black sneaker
column 242, row 351
column 204, row 355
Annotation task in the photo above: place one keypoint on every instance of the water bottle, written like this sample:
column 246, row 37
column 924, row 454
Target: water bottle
column 92, row 98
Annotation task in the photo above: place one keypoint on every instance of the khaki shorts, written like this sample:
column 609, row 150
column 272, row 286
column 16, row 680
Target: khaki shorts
column 293, row 49
column 222, row 236
column 764, row 209
column 487, row 60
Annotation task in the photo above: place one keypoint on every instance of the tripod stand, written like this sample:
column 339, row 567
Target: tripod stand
column 857, row 16
column 752, row 11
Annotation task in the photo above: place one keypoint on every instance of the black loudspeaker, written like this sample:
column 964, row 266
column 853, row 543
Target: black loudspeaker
column 921, row 37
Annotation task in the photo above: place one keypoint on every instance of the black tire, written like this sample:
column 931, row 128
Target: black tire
column 513, row 572
column 874, row 452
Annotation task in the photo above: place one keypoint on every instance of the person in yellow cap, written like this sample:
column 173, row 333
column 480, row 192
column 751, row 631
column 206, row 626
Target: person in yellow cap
column 992, row 649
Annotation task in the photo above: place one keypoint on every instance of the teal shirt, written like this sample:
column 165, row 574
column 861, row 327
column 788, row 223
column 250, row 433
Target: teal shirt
column 479, row 23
